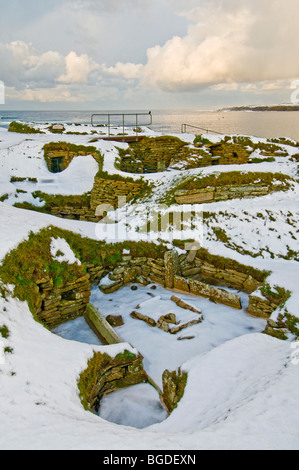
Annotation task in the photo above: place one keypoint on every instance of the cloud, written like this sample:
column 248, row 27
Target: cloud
column 126, row 70
column 78, row 68
column 23, row 66
column 228, row 42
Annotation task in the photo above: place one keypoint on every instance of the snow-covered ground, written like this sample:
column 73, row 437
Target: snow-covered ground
column 243, row 386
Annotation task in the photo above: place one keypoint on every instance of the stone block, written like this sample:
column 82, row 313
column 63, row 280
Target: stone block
column 171, row 261
column 181, row 284
column 139, row 316
column 213, row 293
column 115, row 320
column 196, row 198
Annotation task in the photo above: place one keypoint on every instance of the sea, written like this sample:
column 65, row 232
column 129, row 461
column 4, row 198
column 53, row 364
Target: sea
column 264, row 124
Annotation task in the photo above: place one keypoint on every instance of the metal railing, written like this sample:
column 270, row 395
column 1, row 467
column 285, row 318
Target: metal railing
column 184, row 129
column 123, row 121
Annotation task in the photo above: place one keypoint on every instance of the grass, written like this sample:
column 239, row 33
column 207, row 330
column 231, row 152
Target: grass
column 54, row 201
column 68, row 147
column 18, row 179
column 4, row 331
column 31, row 261
column 234, row 178
column 200, row 141
column 23, row 128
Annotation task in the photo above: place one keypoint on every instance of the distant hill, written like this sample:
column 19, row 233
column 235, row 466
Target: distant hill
column 278, row 107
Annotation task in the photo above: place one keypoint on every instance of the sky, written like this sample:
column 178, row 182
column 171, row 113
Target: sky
column 141, row 54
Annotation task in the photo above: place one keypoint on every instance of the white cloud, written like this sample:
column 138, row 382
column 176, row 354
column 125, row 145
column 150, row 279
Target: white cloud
column 228, row 41
column 78, row 68
column 126, row 70
column 132, row 48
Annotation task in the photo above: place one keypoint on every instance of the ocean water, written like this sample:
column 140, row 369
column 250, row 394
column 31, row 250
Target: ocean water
column 259, row 124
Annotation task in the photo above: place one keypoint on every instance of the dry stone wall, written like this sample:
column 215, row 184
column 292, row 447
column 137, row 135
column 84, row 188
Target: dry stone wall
column 57, row 305
column 83, row 213
column 224, row 193
column 153, row 155
column 58, row 159
column 104, row 192
column 105, row 375
column 184, row 273
column 108, row 191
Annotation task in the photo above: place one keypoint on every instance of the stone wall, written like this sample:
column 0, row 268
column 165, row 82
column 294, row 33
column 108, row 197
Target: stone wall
column 229, row 153
column 151, row 155
column 263, row 302
column 105, row 375
column 156, row 154
column 131, row 269
column 185, row 273
column 83, row 213
column 174, row 384
column 224, row 193
column 107, row 191
column 57, row 305
column 260, row 306
column 59, row 159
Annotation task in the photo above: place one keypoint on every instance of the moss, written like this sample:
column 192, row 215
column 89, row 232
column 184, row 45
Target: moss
column 199, row 140
column 292, row 323
column 96, row 367
column 56, row 131
column 244, row 141
column 33, row 259
column 234, row 178
column 262, row 160
column 23, row 128
column 4, row 331
column 56, row 146
column 51, row 201
column 116, row 177
column 221, row 234
column 275, row 294
column 31, row 207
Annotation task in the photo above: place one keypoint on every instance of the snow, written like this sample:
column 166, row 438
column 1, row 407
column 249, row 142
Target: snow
column 139, row 407
column 59, row 245
column 162, row 350
column 243, row 386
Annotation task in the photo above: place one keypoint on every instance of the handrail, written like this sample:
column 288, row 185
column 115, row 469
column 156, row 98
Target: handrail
column 184, row 129
column 109, row 115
